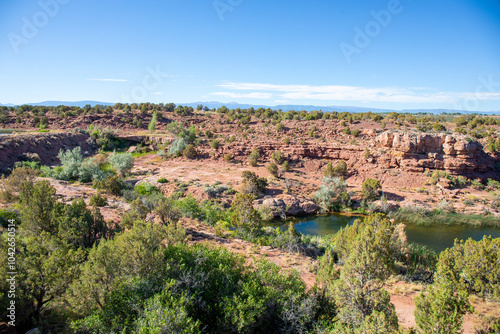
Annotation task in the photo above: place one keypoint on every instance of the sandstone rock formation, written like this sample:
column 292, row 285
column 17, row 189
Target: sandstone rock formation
column 417, row 151
column 286, row 206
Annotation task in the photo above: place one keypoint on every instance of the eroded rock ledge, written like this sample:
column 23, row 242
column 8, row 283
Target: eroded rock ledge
column 42, row 147
column 415, row 152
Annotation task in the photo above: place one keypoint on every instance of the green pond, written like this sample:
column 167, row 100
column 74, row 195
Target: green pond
column 437, row 237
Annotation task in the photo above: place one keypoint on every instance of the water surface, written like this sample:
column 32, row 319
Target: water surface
column 437, row 237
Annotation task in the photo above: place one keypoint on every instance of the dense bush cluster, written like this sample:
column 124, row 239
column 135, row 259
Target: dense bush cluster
column 75, row 168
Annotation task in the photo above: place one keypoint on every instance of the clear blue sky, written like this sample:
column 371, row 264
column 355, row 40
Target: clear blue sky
column 427, row 54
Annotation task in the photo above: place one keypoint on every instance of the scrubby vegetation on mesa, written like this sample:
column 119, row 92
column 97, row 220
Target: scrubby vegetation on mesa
column 145, row 233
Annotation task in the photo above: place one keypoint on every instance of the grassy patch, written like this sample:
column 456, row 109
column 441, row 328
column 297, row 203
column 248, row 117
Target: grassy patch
column 9, row 131
column 445, row 218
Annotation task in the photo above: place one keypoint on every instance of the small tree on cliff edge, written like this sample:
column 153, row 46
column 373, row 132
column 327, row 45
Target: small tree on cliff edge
column 152, row 124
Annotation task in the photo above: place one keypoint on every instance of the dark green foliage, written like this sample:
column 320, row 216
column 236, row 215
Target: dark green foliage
column 168, row 211
column 285, row 166
column 254, row 157
column 39, row 203
column 419, row 260
column 81, row 226
column 104, row 138
column 272, row 168
column 277, row 156
column 215, row 144
column 145, row 188
column 190, row 152
column 6, row 215
column 112, row 184
column 98, row 200
column 370, row 189
column 252, row 184
column 473, row 265
column 245, row 217
column 179, row 288
column 438, row 127
column 441, row 308
column 365, row 250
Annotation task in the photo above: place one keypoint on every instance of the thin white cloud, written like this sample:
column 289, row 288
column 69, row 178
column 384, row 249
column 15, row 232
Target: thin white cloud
column 157, row 93
column 108, row 80
column 350, row 93
column 254, row 95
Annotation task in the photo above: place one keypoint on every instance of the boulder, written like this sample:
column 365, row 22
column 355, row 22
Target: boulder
column 132, row 149
column 288, row 205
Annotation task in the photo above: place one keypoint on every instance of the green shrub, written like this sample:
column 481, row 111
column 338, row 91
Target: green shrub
column 98, row 200
column 162, row 180
column 340, row 169
column 252, row 184
column 438, row 127
column 189, row 207
column 215, row 144
column 104, row 138
column 370, row 189
column 285, row 166
column 121, row 162
column 177, row 147
column 493, row 184
column 272, row 168
column 6, row 215
column 145, row 188
column 332, row 195
column 215, row 190
column 112, row 184
column 190, row 152
column 89, row 170
column 355, row 132
column 473, row 265
column 277, row 156
column 254, row 157
column 74, row 167
column 161, row 153
column 228, row 157
column 245, row 217
column 152, row 123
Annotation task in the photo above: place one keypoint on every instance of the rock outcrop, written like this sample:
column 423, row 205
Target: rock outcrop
column 292, row 152
column 416, row 152
column 288, row 205
column 43, row 147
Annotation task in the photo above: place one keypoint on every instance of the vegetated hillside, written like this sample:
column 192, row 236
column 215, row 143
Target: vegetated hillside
column 429, row 159
column 140, row 238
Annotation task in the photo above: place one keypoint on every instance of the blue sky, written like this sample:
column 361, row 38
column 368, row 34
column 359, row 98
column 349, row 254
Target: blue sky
column 381, row 54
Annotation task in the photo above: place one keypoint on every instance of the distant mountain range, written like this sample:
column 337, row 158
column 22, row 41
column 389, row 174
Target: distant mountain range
column 284, row 107
column 58, row 103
